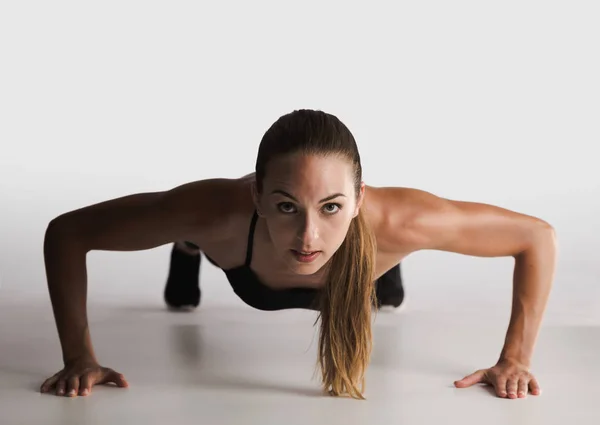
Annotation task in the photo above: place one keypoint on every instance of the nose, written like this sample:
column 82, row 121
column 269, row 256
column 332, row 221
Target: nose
column 308, row 232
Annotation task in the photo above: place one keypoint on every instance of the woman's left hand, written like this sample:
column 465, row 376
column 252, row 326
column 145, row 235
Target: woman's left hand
column 508, row 378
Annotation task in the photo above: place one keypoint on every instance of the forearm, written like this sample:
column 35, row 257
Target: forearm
column 532, row 282
column 65, row 263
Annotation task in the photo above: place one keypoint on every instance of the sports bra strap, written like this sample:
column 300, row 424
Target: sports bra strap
column 250, row 239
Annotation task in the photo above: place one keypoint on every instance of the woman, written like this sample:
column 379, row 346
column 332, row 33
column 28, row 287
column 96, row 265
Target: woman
column 304, row 231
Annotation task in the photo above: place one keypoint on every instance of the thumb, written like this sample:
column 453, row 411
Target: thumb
column 116, row 378
column 471, row 379
column 120, row 380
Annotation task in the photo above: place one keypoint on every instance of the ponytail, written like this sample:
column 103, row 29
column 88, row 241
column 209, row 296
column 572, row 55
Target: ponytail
column 346, row 303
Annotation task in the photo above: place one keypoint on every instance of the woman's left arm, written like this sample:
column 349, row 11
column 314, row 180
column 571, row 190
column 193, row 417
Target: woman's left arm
column 485, row 230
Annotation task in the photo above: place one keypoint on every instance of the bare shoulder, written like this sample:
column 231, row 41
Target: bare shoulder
column 394, row 214
column 223, row 219
column 214, row 207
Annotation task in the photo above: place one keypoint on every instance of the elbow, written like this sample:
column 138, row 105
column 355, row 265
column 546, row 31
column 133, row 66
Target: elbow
column 543, row 232
column 60, row 230
column 548, row 232
column 58, row 226
column 542, row 239
column 54, row 233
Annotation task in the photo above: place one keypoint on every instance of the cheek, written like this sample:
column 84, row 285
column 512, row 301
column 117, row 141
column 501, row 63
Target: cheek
column 280, row 233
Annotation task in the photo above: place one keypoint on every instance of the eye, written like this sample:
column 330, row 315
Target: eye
column 288, row 207
column 282, row 204
column 338, row 206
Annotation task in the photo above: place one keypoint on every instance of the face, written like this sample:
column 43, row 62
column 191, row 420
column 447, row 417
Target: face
column 308, row 203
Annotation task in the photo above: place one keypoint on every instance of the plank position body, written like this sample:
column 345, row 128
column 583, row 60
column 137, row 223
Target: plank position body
column 302, row 231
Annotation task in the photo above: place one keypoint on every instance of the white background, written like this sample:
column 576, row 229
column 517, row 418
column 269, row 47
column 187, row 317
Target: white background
column 494, row 102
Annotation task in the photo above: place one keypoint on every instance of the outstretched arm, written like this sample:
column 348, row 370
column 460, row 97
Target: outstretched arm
column 136, row 222
column 489, row 231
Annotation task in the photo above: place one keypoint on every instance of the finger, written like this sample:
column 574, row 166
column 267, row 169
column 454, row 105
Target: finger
column 534, row 386
column 501, row 386
column 49, row 383
column 86, row 383
column 471, row 379
column 60, row 386
column 522, row 390
column 511, row 387
column 116, row 378
column 73, row 386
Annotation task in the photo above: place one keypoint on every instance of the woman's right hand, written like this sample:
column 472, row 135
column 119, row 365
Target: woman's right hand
column 78, row 378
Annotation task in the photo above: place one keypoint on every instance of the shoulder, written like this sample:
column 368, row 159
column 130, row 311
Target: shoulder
column 399, row 215
column 213, row 206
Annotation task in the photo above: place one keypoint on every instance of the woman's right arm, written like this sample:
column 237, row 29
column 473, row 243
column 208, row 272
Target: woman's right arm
column 135, row 222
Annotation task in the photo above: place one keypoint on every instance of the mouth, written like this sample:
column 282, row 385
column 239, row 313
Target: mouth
column 305, row 257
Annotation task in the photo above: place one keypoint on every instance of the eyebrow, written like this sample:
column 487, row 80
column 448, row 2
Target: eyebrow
column 328, row 198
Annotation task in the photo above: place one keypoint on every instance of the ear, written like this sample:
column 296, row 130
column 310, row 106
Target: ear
column 361, row 197
column 255, row 197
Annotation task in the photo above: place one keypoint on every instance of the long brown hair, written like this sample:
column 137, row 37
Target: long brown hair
column 346, row 301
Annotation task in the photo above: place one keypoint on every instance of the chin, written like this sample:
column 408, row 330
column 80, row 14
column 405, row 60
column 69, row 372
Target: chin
column 305, row 270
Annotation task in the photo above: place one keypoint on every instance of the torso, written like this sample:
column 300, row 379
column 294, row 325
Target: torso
column 230, row 252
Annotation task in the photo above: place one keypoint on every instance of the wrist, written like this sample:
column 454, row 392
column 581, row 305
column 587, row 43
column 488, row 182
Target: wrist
column 507, row 358
column 84, row 356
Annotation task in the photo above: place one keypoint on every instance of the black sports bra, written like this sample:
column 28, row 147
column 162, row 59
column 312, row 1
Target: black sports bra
column 253, row 292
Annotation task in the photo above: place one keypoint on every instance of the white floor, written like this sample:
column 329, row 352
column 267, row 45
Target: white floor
column 226, row 363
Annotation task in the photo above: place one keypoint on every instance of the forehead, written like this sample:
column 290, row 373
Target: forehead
column 310, row 172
